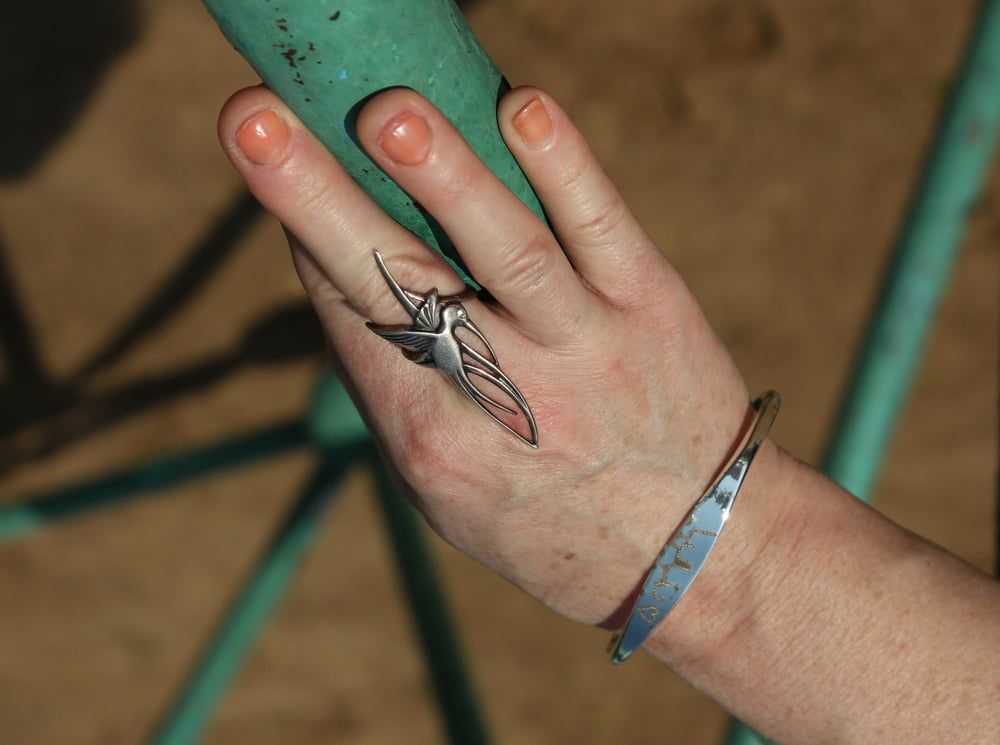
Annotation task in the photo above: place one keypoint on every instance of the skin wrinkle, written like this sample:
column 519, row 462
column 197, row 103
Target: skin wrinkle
column 526, row 268
column 600, row 222
column 527, row 271
column 459, row 186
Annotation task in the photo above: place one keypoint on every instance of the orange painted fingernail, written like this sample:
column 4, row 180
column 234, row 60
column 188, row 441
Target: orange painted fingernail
column 263, row 137
column 407, row 139
column 532, row 122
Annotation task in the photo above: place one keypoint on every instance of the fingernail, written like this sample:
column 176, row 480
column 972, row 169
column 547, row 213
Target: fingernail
column 532, row 122
column 263, row 137
column 406, row 140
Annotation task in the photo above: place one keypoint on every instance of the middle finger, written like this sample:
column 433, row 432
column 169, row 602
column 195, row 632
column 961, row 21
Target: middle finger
column 507, row 248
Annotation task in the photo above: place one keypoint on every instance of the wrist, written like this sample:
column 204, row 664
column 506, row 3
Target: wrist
column 616, row 539
column 738, row 579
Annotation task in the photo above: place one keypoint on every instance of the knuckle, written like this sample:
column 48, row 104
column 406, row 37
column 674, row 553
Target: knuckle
column 314, row 198
column 410, row 270
column 456, row 185
column 526, row 265
column 373, row 296
column 321, row 291
column 602, row 223
column 575, row 169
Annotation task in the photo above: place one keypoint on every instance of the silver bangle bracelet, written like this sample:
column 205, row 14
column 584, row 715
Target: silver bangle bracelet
column 690, row 545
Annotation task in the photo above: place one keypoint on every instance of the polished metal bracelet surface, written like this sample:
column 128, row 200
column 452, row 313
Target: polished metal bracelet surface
column 687, row 549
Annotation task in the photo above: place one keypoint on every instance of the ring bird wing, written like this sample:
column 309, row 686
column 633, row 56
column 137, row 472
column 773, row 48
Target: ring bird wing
column 487, row 370
column 429, row 315
column 414, row 341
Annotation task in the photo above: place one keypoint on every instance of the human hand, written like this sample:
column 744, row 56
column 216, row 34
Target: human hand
column 637, row 403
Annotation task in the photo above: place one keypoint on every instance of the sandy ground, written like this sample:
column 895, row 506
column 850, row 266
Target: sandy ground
column 769, row 147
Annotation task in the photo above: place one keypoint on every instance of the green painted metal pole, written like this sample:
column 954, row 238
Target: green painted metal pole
column 324, row 58
column 452, row 686
column 32, row 512
column 191, row 711
column 953, row 176
column 338, row 430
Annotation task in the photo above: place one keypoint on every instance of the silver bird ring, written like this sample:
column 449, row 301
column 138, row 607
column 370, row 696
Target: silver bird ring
column 432, row 340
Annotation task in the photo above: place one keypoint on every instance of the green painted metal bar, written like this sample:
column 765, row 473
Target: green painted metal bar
column 952, row 179
column 739, row 734
column 324, row 58
column 462, row 718
column 190, row 714
column 32, row 512
column 953, row 176
column 334, row 426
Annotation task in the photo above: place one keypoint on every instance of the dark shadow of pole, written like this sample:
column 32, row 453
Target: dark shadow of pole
column 197, row 269
column 284, row 335
column 52, row 56
column 21, row 359
column 23, row 406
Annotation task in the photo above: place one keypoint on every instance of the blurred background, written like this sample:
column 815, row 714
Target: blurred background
column 147, row 305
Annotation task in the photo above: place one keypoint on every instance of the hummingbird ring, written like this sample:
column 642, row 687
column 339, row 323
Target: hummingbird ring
column 432, row 340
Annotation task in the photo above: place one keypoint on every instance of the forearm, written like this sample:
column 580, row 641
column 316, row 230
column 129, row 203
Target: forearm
column 817, row 620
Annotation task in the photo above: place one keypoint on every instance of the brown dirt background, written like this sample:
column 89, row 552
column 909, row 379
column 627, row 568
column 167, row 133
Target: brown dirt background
column 768, row 145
